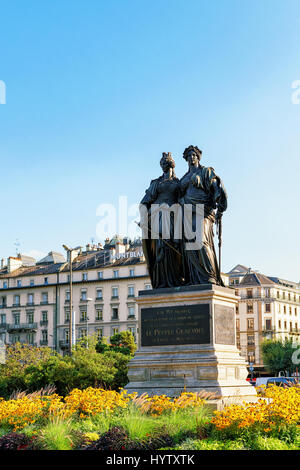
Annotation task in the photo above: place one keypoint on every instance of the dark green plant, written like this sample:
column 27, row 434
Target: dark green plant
column 277, row 355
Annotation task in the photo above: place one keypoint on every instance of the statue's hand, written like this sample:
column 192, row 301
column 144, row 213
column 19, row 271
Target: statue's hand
column 196, row 180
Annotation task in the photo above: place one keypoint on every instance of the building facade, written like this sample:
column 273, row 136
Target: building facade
column 269, row 307
column 35, row 297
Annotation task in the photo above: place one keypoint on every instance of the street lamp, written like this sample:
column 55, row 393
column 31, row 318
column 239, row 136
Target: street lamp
column 70, row 251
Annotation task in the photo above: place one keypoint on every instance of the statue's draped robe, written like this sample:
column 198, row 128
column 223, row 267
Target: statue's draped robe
column 163, row 257
column 201, row 265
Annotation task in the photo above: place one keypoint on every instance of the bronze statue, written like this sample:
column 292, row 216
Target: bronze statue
column 171, row 261
column 163, row 255
column 200, row 185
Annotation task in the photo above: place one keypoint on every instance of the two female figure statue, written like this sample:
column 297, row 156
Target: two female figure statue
column 169, row 259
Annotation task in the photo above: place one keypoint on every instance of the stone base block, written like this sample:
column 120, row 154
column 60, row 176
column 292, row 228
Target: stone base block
column 187, row 343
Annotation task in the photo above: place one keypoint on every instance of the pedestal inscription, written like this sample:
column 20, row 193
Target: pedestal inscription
column 224, row 325
column 186, row 324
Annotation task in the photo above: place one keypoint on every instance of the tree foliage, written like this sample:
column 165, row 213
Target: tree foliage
column 278, row 356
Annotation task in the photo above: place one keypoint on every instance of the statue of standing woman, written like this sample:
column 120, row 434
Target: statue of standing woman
column 201, row 185
column 163, row 254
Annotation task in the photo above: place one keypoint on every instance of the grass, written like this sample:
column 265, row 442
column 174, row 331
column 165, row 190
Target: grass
column 56, row 435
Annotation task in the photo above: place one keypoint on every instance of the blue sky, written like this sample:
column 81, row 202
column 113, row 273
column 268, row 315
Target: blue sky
column 97, row 90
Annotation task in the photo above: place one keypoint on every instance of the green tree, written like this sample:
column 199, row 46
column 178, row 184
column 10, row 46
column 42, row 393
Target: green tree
column 18, row 358
column 277, row 356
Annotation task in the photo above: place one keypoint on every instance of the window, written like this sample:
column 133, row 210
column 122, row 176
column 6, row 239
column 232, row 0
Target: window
column 16, row 300
column 289, row 296
column 148, row 286
column 31, row 282
column 100, row 274
column 45, row 280
column 30, row 317
column 82, row 333
column 44, row 316
column 131, row 311
column 67, row 335
column 99, row 294
column 16, row 318
column 115, row 313
column 67, row 296
column 291, row 326
column 45, row 297
column 250, row 340
column 83, row 294
column 131, row 272
column 283, row 294
column 284, row 309
column 268, row 308
column 249, row 308
column 30, row 299
column 278, row 294
column 116, row 273
column 67, row 316
column 3, row 319
column 267, row 292
column 115, row 292
column 285, row 325
column 83, row 315
column 30, row 338
column 99, row 332
column 19, row 283
column 279, row 324
column 268, row 324
column 296, row 311
column 249, row 293
column 45, row 336
column 130, row 291
column 99, row 314
column 115, row 330
column 132, row 330
column 290, row 310
column 4, row 284
column 236, row 309
column 250, row 323
column 3, row 301
column 84, row 276
column 237, row 322
column 296, row 326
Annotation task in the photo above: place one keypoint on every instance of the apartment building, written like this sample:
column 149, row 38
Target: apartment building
column 269, row 307
column 35, row 296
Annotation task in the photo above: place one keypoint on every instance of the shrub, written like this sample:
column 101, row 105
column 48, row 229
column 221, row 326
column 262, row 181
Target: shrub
column 15, row 441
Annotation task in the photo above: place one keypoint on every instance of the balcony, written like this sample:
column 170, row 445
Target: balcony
column 131, row 317
column 22, row 327
column 114, row 317
column 114, row 297
column 3, row 326
column 3, row 306
column 30, row 304
column 44, row 302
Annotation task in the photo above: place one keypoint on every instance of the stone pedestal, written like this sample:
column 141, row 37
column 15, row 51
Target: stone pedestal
column 187, row 341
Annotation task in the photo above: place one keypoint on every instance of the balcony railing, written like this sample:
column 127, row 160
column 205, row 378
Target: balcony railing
column 22, row 326
column 3, row 326
column 43, row 342
column 43, row 322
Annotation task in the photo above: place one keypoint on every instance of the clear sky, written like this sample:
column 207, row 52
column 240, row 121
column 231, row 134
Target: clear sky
column 96, row 90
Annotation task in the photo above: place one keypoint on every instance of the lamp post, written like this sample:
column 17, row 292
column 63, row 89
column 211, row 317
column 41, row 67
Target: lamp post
column 70, row 251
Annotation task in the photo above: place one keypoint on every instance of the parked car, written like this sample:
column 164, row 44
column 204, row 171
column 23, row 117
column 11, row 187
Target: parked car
column 282, row 381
